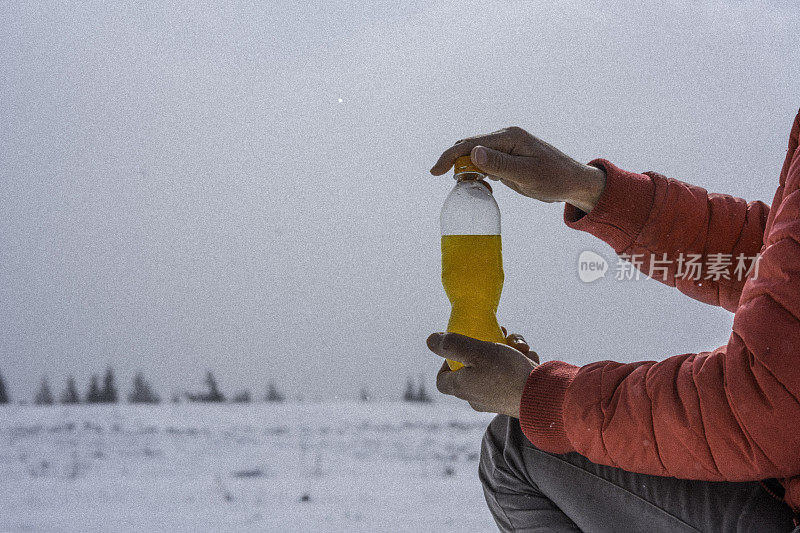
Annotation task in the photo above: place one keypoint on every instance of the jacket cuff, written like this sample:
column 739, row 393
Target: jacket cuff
column 622, row 210
column 541, row 409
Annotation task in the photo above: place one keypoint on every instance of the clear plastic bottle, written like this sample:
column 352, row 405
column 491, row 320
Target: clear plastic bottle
column 472, row 260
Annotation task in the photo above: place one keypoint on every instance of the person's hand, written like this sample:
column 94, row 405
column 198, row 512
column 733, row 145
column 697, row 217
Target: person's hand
column 530, row 166
column 493, row 376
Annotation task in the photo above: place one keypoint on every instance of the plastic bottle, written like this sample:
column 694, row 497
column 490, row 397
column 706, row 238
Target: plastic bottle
column 472, row 260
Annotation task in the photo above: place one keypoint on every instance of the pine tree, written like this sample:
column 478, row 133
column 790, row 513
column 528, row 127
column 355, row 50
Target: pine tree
column 141, row 392
column 242, row 397
column 214, row 394
column 3, row 392
column 364, row 394
column 273, row 394
column 70, row 394
column 409, row 395
column 422, row 394
column 44, row 396
column 109, row 392
column 93, row 395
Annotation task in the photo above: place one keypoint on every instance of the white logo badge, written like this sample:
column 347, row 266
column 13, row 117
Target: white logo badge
column 591, row 266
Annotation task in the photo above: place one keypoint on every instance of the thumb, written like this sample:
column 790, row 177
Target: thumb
column 496, row 163
column 461, row 348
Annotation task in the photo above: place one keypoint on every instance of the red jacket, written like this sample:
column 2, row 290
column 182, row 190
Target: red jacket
column 728, row 415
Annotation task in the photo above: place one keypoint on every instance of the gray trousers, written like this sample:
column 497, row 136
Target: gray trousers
column 534, row 491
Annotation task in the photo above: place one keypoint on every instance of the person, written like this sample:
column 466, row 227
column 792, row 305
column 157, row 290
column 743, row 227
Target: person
column 695, row 442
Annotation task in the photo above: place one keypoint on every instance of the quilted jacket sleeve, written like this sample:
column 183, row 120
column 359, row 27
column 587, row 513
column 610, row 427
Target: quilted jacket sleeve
column 728, row 415
column 647, row 216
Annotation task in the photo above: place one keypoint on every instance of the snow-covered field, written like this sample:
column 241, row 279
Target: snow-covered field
column 249, row 467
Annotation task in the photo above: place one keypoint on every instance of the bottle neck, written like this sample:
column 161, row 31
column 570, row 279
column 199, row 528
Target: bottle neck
column 468, row 175
column 476, row 177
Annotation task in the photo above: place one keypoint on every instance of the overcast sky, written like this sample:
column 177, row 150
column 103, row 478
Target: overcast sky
column 244, row 187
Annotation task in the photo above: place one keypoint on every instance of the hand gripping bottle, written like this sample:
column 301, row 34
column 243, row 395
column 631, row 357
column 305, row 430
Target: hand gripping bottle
column 472, row 261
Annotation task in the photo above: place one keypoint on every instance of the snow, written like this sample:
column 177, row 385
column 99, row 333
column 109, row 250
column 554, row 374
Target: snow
column 242, row 467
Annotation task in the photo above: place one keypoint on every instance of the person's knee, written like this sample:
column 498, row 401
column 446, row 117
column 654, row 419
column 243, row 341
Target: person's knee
column 491, row 449
column 503, row 432
column 508, row 466
column 500, row 450
column 494, row 437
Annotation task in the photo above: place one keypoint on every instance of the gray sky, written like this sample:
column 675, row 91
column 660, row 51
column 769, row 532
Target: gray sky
column 181, row 188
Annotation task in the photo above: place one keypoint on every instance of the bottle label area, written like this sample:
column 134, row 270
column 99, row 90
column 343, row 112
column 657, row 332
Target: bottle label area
column 472, row 276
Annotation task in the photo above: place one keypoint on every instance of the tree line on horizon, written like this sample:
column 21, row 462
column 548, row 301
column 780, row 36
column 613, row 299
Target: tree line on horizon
column 142, row 393
column 416, row 392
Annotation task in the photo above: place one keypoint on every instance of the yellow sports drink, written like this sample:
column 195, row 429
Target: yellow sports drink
column 472, row 260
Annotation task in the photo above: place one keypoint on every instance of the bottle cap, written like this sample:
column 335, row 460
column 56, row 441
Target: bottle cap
column 464, row 164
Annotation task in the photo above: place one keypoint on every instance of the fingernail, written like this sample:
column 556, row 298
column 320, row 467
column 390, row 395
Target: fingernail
column 433, row 340
column 479, row 155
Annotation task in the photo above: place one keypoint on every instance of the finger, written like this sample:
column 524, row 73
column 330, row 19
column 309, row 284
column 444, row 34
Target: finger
column 447, row 381
column 533, row 356
column 479, row 407
column 515, row 340
column 504, row 330
column 444, row 368
column 461, row 348
column 499, row 140
column 498, row 163
column 512, row 185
